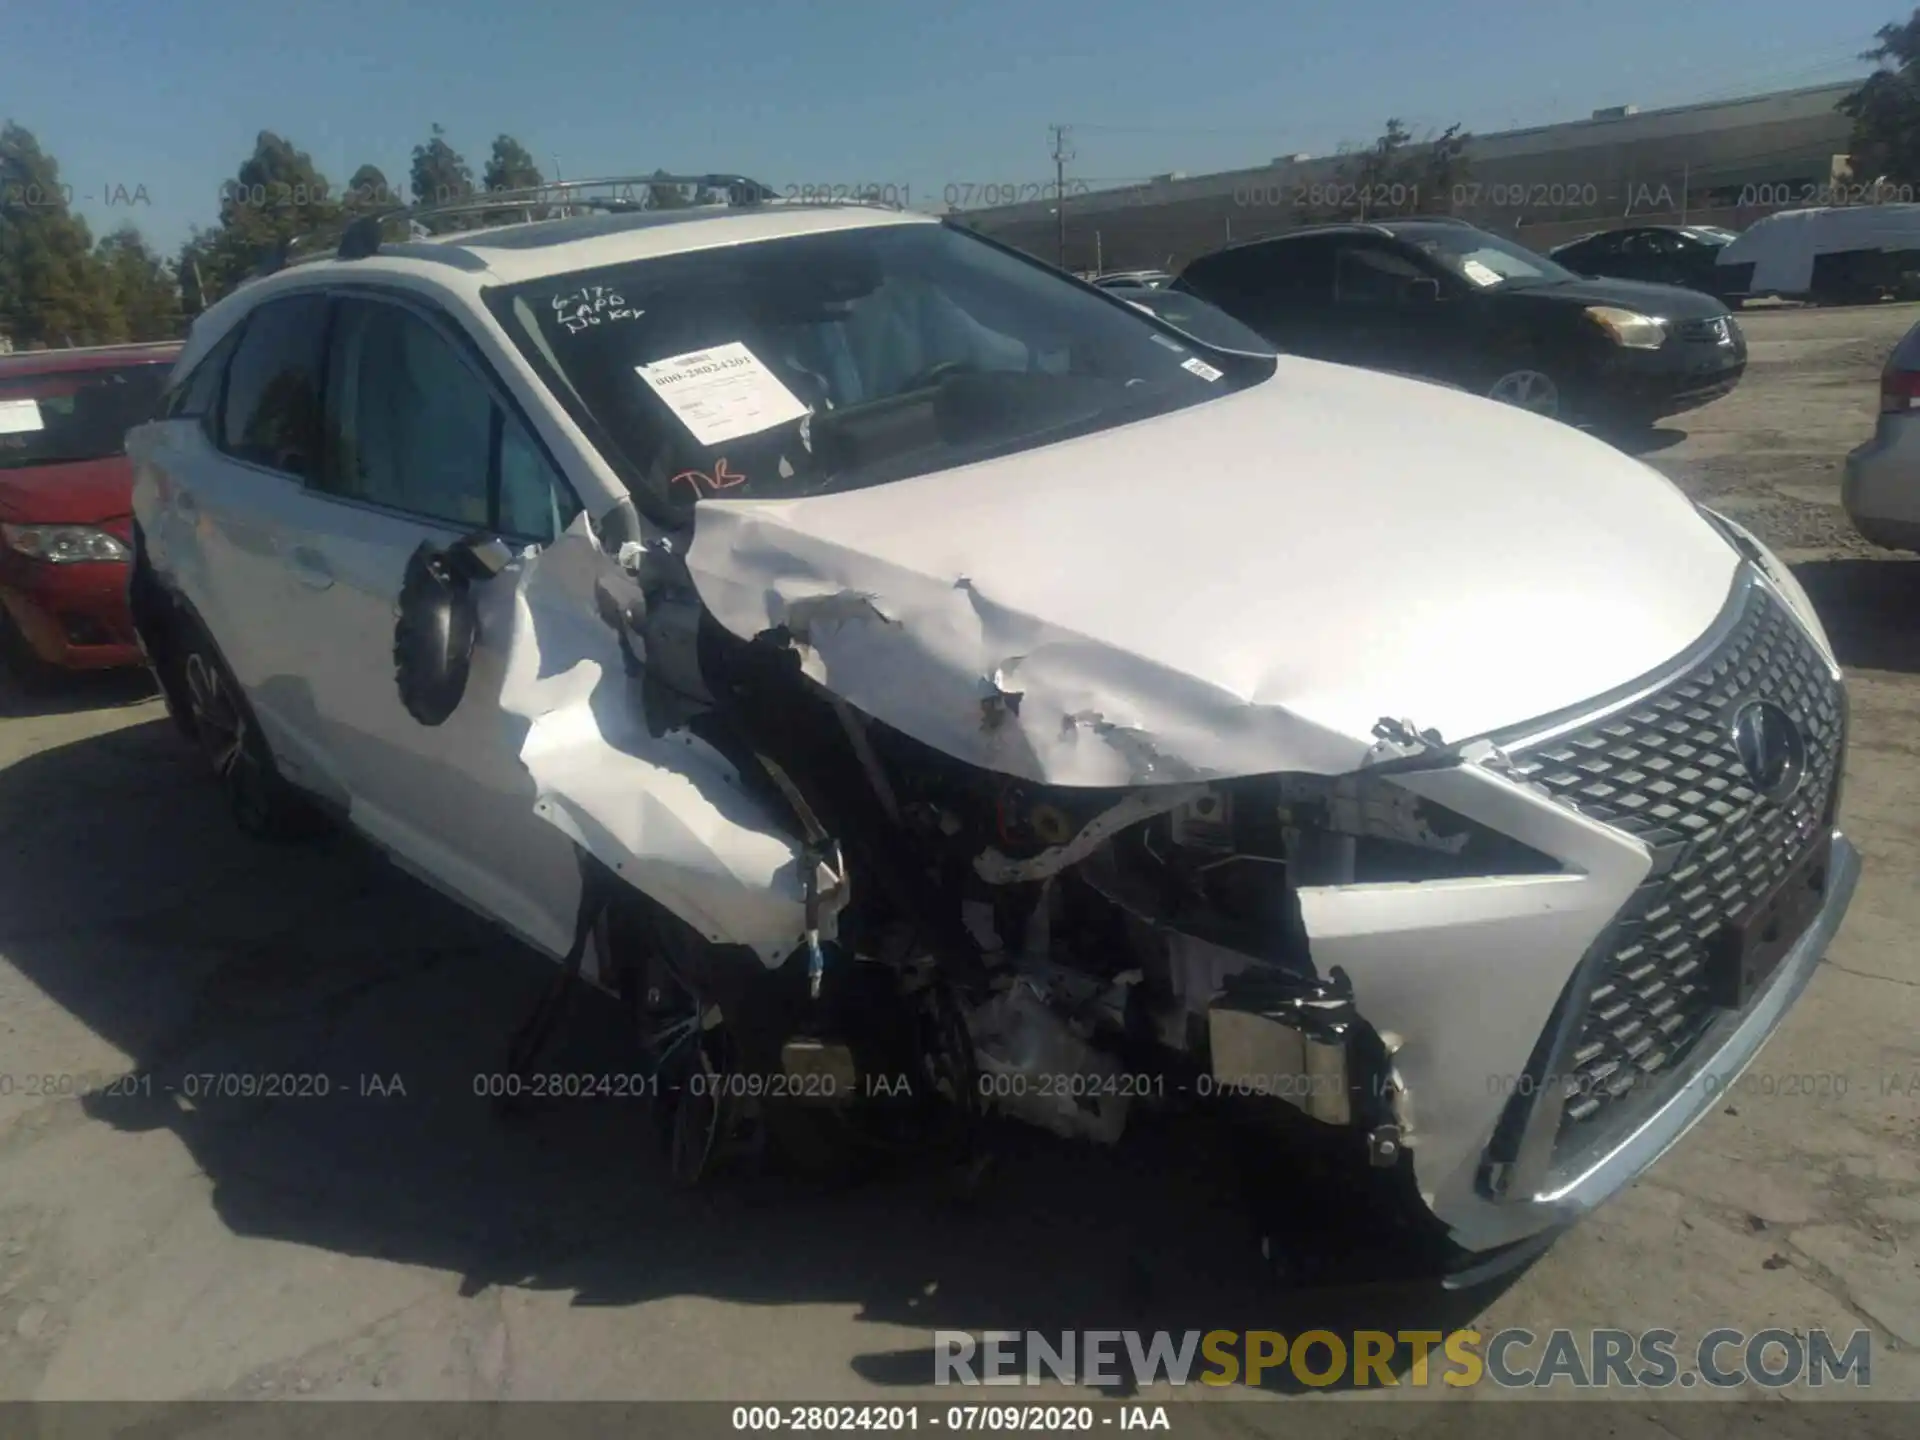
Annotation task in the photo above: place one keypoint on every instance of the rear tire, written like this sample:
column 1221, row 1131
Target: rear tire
column 261, row 801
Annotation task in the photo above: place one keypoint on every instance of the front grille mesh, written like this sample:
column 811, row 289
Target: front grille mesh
column 1664, row 770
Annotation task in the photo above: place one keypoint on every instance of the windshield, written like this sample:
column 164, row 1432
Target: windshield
column 1712, row 233
column 57, row 418
column 1485, row 260
column 1194, row 316
column 832, row 361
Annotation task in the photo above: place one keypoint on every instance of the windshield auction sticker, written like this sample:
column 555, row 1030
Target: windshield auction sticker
column 20, row 417
column 723, row 393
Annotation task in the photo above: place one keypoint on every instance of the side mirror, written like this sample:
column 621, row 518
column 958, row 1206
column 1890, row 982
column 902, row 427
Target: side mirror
column 438, row 623
column 1423, row 291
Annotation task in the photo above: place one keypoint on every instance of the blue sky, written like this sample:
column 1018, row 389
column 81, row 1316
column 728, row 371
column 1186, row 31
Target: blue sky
column 167, row 97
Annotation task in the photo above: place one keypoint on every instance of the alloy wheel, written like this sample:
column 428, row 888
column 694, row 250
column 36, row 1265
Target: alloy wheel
column 220, row 722
column 1530, row 390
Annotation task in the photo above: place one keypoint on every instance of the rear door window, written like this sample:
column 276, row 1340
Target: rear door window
column 272, row 411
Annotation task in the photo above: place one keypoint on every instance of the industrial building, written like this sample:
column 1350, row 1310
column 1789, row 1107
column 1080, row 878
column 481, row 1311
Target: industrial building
column 1723, row 162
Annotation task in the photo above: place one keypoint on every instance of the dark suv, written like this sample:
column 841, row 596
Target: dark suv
column 1446, row 301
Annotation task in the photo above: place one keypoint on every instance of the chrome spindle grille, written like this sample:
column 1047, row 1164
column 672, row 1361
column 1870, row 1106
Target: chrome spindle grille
column 1665, row 770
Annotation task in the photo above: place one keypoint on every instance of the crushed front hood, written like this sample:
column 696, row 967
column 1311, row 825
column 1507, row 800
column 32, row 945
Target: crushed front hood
column 1248, row 585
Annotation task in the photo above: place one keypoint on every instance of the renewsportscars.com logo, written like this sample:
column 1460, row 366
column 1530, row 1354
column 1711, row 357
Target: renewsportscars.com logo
column 1510, row 1359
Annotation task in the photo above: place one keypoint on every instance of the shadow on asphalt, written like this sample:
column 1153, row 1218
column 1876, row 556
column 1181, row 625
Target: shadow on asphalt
column 202, row 953
column 1644, row 440
column 69, row 693
column 1871, row 609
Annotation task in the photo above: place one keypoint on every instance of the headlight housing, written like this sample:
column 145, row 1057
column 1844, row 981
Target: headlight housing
column 1629, row 328
column 63, row 544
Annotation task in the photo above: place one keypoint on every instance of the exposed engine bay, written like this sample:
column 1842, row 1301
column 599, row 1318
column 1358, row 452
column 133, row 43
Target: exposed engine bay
column 967, row 942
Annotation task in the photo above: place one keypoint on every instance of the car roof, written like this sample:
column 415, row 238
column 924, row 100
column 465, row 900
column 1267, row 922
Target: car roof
column 460, row 266
column 87, row 357
column 533, row 249
column 1387, row 228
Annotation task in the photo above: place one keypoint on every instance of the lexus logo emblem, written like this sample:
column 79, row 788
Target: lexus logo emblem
column 1771, row 748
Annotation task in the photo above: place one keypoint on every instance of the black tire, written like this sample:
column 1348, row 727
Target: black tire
column 261, row 801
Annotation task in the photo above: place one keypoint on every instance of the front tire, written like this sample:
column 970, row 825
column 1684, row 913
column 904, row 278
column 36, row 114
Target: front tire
column 222, row 724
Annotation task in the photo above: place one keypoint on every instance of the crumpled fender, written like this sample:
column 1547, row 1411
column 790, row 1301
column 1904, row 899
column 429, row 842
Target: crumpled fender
column 1245, row 586
column 984, row 682
column 668, row 814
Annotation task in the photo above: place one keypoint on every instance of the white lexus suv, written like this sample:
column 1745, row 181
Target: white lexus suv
column 928, row 688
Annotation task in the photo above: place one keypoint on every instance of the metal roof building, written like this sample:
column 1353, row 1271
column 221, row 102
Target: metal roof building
column 1721, row 162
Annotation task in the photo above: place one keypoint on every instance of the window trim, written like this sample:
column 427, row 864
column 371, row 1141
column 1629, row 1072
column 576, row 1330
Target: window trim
column 505, row 404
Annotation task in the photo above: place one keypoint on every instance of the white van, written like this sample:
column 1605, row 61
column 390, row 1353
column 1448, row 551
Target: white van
column 1831, row 253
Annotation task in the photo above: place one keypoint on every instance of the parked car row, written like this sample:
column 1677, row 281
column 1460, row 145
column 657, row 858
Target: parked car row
column 1621, row 328
column 1830, row 254
column 1447, row 301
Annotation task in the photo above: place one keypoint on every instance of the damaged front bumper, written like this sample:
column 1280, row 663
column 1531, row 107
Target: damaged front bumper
column 1521, row 1030
column 1557, row 1032
column 1480, row 1223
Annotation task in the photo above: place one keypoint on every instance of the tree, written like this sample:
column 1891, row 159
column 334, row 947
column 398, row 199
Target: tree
column 441, row 174
column 50, row 286
column 510, row 167
column 667, row 197
column 1396, row 175
column 139, row 286
column 277, row 194
column 1443, row 168
column 370, row 190
column 1885, row 110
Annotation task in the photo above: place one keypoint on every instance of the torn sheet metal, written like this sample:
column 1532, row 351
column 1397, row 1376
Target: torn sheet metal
column 997, row 868
column 668, row 814
column 1241, row 587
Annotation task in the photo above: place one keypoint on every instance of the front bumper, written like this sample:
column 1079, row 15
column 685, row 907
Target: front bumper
column 1555, row 1033
column 1681, row 375
column 1724, row 1053
column 72, row 616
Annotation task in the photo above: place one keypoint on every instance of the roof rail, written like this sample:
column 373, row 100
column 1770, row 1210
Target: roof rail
column 360, row 236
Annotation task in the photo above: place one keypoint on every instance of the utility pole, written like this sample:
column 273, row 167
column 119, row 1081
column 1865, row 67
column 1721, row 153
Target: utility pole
column 1060, row 157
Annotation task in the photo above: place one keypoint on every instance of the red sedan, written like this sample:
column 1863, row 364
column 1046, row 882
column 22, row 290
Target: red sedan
column 66, row 487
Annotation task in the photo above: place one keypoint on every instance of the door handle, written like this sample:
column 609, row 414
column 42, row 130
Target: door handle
column 185, row 504
column 310, row 568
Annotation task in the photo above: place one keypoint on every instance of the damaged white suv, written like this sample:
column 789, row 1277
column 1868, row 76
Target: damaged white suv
column 925, row 686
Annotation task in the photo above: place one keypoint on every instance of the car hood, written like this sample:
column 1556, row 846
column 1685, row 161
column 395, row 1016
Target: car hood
column 81, row 492
column 1248, row 585
column 1672, row 301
